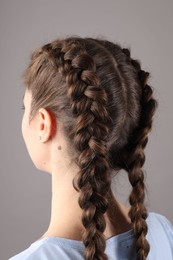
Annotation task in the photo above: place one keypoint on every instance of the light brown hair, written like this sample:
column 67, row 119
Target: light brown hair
column 101, row 96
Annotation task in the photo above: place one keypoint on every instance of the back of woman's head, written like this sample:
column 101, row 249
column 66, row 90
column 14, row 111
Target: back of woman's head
column 101, row 96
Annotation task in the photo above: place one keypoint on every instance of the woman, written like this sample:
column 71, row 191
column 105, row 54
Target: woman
column 88, row 114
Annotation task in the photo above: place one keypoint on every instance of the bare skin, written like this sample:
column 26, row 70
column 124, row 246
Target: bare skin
column 50, row 155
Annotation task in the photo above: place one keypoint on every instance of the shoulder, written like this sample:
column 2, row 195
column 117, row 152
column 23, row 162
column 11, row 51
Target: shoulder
column 160, row 236
column 49, row 248
column 160, row 222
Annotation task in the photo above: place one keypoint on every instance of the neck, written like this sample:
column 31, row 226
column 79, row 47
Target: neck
column 66, row 213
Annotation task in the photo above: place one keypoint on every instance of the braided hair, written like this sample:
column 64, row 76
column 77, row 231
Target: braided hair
column 102, row 97
column 134, row 156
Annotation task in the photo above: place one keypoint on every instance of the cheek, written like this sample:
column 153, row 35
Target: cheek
column 37, row 154
column 26, row 132
column 23, row 126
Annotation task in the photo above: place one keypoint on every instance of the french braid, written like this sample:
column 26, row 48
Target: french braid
column 134, row 156
column 135, row 160
column 88, row 102
column 107, row 109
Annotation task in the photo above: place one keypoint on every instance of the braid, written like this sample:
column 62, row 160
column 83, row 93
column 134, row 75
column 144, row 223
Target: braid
column 107, row 109
column 135, row 160
column 88, row 103
column 133, row 157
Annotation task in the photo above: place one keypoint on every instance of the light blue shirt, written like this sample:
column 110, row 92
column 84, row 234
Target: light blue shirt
column 119, row 247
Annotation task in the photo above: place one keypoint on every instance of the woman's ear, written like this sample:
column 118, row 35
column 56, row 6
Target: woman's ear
column 47, row 124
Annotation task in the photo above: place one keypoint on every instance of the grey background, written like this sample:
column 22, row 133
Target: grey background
column 145, row 27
